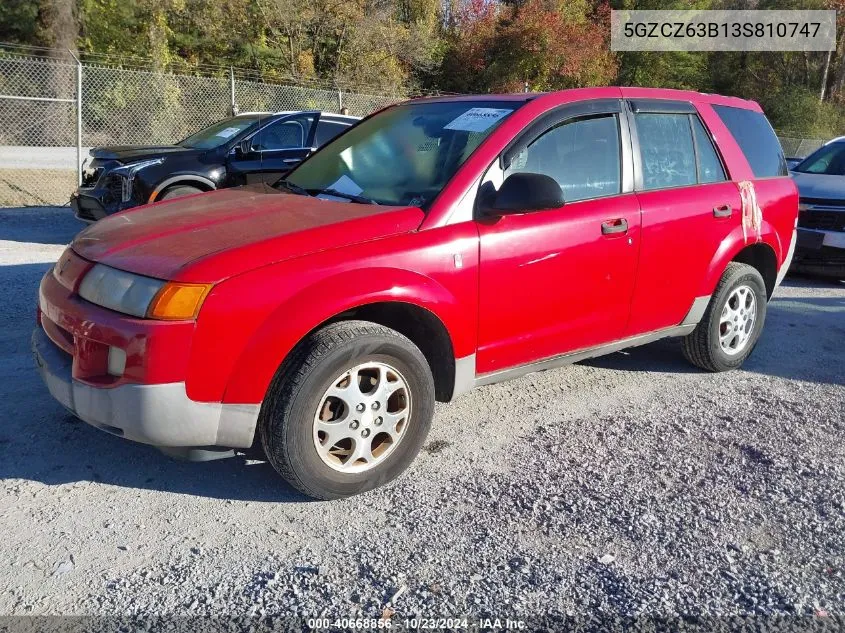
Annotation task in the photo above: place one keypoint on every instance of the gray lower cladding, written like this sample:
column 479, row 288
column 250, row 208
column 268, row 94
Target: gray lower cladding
column 466, row 378
column 161, row 415
column 789, row 255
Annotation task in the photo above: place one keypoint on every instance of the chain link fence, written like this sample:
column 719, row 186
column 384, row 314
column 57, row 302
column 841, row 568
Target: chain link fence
column 52, row 110
column 41, row 134
column 794, row 147
column 38, row 130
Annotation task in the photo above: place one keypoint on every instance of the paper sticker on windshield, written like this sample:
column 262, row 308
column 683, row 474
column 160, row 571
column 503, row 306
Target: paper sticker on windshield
column 229, row 131
column 477, row 119
column 344, row 184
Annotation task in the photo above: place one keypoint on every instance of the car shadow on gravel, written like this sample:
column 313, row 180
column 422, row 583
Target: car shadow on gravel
column 54, row 448
column 39, row 225
column 801, row 340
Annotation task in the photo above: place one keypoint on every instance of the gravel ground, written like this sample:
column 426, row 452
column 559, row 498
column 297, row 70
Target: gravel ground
column 631, row 485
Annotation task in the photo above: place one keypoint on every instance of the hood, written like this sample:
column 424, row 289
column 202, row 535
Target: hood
column 131, row 153
column 213, row 236
column 820, row 186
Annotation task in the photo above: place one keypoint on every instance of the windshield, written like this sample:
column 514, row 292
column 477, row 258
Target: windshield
column 404, row 155
column 220, row 133
column 829, row 160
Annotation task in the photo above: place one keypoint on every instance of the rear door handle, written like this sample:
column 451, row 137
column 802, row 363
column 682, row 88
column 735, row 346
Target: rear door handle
column 722, row 211
column 619, row 225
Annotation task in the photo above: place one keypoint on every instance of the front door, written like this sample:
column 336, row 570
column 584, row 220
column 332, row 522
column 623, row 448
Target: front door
column 561, row 280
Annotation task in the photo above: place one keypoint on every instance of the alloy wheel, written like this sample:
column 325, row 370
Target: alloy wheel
column 362, row 417
column 736, row 323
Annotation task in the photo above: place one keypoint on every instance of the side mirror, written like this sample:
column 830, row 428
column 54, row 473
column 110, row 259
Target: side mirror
column 523, row 193
column 243, row 148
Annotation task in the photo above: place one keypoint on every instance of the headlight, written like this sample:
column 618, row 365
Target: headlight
column 133, row 168
column 119, row 290
column 128, row 173
column 141, row 296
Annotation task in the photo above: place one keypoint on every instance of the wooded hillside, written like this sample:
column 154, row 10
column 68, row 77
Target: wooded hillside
column 448, row 45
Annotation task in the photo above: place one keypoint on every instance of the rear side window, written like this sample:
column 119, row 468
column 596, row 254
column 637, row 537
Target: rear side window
column 756, row 138
column 327, row 130
column 285, row 134
column 667, row 151
column 709, row 166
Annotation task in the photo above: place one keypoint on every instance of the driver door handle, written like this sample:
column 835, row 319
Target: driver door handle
column 722, row 211
column 618, row 225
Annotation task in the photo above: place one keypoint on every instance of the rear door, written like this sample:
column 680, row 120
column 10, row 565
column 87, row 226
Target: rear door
column 274, row 150
column 688, row 206
column 560, row 280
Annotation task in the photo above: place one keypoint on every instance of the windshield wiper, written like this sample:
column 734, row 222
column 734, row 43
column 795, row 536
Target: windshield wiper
column 301, row 191
column 342, row 194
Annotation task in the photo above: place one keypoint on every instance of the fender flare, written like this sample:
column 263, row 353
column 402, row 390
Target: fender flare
column 172, row 180
column 293, row 319
column 731, row 246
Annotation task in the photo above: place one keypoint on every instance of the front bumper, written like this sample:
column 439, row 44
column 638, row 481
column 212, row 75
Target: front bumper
column 161, row 415
column 90, row 205
column 820, row 252
column 148, row 402
column 87, row 208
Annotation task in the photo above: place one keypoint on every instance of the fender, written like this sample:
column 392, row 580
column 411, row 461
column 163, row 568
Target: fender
column 303, row 312
column 731, row 247
column 186, row 177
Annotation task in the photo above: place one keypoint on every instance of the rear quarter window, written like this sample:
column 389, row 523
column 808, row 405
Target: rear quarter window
column 327, row 130
column 756, row 139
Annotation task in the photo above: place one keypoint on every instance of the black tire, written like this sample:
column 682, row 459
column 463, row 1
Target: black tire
column 701, row 347
column 178, row 191
column 287, row 415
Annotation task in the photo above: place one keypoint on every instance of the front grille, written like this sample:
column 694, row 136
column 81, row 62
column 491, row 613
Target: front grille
column 822, row 220
column 825, row 256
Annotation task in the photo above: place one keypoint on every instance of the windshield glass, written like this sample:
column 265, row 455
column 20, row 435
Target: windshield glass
column 220, row 133
column 404, row 155
column 829, row 159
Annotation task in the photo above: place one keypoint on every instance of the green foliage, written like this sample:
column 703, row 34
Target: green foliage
column 18, row 21
column 388, row 46
column 798, row 112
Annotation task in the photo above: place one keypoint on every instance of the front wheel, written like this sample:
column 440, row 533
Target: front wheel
column 732, row 322
column 179, row 191
column 348, row 410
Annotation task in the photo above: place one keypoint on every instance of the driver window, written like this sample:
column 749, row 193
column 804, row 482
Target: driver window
column 582, row 155
column 285, row 134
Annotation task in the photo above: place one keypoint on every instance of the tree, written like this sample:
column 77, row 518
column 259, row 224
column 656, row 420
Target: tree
column 501, row 47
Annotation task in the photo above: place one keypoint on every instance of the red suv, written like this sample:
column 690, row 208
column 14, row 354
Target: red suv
column 439, row 245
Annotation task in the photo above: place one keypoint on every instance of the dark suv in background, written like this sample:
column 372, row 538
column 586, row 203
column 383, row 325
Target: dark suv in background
column 244, row 149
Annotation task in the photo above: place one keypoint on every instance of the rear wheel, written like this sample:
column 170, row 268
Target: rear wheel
column 178, row 191
column 348, row 411
column 732, row 323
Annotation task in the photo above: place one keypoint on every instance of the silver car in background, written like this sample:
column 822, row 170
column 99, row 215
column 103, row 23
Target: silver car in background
column 820, row 179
